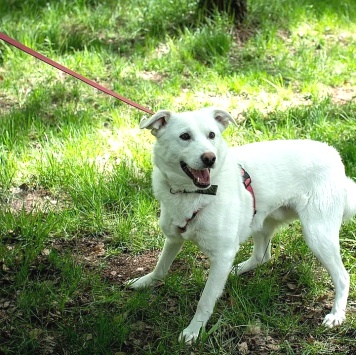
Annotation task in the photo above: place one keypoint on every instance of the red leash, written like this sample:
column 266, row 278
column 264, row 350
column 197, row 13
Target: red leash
column 92, row 83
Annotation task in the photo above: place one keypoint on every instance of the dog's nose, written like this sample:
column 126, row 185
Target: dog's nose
column 208, row 159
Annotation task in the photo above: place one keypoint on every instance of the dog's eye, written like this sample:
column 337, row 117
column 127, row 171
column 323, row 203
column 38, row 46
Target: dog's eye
column 185, row 136
column 211, row 135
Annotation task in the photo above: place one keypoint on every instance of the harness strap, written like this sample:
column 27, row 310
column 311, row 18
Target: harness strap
column 246, row 180
column 184, row 228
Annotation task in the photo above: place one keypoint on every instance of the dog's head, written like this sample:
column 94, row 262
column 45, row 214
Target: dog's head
column 189, row 144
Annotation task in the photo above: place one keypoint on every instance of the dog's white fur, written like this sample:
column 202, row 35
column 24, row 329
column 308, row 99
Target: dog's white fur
column 291, row 179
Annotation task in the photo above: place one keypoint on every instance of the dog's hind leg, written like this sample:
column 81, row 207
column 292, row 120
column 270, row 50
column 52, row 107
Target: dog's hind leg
column 322, row 236
column 261, row 248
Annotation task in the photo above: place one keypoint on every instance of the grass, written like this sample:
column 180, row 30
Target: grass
column 77, row 215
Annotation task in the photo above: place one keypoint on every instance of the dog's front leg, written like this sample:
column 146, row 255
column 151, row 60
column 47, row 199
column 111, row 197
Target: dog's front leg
column 170, row 250
column 219, row 270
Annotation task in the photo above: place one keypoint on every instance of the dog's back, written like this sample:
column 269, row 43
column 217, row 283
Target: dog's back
column 310, row 165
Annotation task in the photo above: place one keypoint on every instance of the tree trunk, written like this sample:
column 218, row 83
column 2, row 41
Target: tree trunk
column 236, row 8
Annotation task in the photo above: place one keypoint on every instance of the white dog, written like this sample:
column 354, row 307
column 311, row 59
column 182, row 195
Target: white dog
column 217, row 197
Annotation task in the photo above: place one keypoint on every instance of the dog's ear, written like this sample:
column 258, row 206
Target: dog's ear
column 224, row 118
column 156, row 122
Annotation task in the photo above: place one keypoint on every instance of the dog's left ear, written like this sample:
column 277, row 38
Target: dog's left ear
column 157, row 121
column 224, row 118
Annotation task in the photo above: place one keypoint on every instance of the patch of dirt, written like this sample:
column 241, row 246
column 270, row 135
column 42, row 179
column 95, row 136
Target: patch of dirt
column 6, row 103
column 238, row 104
column 342, row 95
column 116, row 268
column 33, row 199
column 93, row 253
column 256, row 341
column 124, row 267
column 151, row 76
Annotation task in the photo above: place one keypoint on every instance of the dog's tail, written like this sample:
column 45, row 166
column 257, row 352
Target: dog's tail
column 350, row 203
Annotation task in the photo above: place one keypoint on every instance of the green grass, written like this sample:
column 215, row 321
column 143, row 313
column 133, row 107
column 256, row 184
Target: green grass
column 77, row 215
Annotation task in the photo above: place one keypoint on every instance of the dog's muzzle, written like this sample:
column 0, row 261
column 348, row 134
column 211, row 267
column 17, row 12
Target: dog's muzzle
column 201, row 178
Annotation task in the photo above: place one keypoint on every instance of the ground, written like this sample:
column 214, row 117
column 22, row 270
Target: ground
column 91, row 253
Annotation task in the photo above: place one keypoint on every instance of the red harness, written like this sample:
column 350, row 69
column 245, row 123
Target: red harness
column 246, row 180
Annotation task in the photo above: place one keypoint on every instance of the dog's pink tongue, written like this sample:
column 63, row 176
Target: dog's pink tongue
column 203, row 176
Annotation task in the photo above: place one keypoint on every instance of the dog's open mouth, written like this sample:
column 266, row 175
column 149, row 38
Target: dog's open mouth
column 201, row 178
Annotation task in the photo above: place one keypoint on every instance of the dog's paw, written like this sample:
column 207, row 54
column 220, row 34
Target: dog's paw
column 238, row 269
column 244, row 267
column 332, row 320
column 188, row 336
column 142, row 282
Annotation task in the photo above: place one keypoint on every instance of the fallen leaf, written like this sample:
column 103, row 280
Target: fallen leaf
column 291, row 286
column 254, row 329
column 243, row 348
column 88, row 337
column 35, row 333
column 311, row 340
column 273, row 347
column 6, row 304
